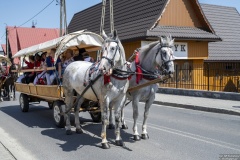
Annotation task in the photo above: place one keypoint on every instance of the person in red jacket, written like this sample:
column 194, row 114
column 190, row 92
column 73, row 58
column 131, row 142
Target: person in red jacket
column 30, row 65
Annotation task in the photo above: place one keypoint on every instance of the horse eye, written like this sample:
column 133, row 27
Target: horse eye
column 112, row 48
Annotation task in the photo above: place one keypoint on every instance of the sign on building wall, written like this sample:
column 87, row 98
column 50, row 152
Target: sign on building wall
column 180, row 49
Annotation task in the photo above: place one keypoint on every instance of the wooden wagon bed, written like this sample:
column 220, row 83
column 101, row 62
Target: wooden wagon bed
column 47, row 92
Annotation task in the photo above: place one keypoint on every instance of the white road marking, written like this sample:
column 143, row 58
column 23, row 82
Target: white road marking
column 191, row 136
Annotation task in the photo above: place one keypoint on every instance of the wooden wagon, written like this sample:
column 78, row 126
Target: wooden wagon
column 53, row 94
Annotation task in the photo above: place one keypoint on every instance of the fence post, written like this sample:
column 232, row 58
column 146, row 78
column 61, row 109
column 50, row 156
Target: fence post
column 176, row 75
column 208, row 75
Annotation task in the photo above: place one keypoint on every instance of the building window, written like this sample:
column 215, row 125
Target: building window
column 229, row 66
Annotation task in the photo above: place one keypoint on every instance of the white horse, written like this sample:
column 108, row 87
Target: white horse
column 112, row 93
column 152, row 56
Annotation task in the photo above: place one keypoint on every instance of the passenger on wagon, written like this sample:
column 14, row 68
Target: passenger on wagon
column 68, row 58
column 41, row 57
column 79, row 57
column 27, row 75
column 88, row 58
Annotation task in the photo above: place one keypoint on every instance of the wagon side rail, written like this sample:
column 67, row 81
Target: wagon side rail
column 47, row 92
column 34, row 70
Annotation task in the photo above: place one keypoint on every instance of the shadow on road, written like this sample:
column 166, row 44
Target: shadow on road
column 42, row 117
column 91, row 136
column 38, row 116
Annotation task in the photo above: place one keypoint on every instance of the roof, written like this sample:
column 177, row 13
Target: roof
column 183, row 33
column 132, row 19
column 12, row 38
column 226, row 23
column 31, row 36
column 23, row 37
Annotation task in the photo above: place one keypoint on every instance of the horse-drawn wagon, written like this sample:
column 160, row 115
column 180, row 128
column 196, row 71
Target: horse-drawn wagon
column 5, row 64
column 53, row 94
column 102, row 96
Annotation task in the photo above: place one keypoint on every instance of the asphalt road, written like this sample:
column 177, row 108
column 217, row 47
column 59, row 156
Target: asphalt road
column 174, row 134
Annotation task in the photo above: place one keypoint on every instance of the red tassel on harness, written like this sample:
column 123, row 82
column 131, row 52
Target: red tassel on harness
column 106, row 79
column 138, row 69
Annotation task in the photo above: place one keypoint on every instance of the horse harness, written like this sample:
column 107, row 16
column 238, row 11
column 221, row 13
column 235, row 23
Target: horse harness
column 164, row 64
column 111, row 61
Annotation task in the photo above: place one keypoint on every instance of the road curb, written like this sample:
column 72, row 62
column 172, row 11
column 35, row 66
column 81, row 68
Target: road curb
column 200, row 108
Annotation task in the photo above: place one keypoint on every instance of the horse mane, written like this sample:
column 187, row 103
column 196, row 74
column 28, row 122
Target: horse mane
column 145, row 49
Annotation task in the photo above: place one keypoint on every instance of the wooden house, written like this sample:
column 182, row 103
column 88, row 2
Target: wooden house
column 141, row 22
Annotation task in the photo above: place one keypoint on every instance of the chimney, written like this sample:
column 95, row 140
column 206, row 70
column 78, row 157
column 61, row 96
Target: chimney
column 33, row 25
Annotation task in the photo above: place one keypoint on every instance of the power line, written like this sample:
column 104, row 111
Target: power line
column 32, row 17
column 37, row 14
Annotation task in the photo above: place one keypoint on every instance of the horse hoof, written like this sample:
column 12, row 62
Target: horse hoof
column 124, row 126
column 111, row 126
column 145, row 136
column 119, row 142
column 68, row 132
column 79, row 131
column 105, row 145
column 136, row 138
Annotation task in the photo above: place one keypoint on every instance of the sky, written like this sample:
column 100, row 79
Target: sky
column 46, row 13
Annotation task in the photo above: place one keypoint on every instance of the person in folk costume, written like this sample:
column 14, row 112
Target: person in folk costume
column 79, row 57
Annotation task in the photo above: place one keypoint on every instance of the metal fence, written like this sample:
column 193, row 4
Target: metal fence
column 208, row 76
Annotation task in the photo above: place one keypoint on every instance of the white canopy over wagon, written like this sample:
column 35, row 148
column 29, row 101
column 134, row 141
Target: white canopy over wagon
column 80, row 39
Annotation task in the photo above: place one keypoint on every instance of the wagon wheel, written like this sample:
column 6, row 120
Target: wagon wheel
column 24, row 102
column 58, row 117
column 50, row 105
column 96, row 116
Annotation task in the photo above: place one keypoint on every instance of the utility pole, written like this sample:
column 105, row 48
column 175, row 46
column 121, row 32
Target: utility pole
column 102, row 17
column 7, row 48
column 60, row 18
column 111, row 16
column 63, row 17
column 103, row 20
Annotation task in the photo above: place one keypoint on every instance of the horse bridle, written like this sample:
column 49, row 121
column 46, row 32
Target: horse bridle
column 111, row 61
column 164, row 64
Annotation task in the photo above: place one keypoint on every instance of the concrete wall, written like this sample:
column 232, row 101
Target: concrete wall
column 200, row 93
